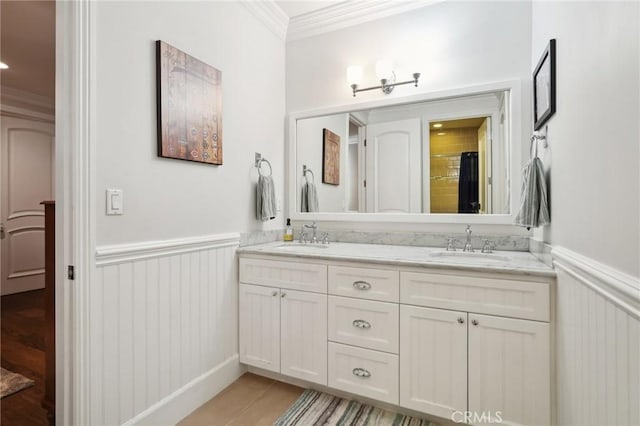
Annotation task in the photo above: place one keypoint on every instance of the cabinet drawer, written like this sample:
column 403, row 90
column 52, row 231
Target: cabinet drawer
column 364, row 372
column 365, row 323
column 364, row 283
column 494, row 296
column 291, row 275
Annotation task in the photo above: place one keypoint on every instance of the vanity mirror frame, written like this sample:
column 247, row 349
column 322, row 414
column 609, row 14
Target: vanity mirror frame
column 517, row 113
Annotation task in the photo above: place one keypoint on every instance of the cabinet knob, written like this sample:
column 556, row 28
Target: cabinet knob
column 474, row 322
column 274, row 293
column 461, row 320
column 361, row 372
column 361, row 285
column 361, row 324
column 283, row 294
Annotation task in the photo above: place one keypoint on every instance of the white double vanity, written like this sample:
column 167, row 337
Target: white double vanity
column 428, row 330
column 431, row 330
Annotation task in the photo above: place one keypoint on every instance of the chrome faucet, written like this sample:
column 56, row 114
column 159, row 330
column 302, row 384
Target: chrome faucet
column 468, row 247
column 314, row 227
column 487, row 246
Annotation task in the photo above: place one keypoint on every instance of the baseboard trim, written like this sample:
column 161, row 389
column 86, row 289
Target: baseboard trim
column 614, row 285
column 123, row 253
column 175, row 407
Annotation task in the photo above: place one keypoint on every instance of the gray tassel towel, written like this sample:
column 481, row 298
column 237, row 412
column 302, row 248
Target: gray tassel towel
column 534, row 208
column 309, row 198
column 265, row 199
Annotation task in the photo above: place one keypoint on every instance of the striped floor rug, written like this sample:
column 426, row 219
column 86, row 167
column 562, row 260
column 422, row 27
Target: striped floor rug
column 317, row 408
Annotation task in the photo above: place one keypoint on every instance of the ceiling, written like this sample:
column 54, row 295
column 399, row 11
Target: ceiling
column 295, row 8
column 27, row 45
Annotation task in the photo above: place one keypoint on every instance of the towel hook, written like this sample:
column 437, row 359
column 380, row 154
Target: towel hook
column 259, row 160
column 535, row 137
column 306, row 170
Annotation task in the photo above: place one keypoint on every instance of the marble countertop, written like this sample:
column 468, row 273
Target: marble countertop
column 513, row 262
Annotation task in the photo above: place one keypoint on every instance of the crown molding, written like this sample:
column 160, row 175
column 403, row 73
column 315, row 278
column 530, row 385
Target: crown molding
column 27, row 100
column 270, row 14
column 347, row 14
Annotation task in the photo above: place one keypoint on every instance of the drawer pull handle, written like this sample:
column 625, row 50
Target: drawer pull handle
column 474, row 322
column 275, row 293
column 461, row 320
column 361, row 324
column 361, row 285
column 361, row 372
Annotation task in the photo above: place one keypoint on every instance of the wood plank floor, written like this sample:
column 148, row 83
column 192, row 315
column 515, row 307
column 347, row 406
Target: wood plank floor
column 22, row 351
column 250, row 400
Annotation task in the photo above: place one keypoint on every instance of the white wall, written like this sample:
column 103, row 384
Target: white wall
column 592, row 160
column 593, row 137
column 309, row 149
column 453, row 44
column 165, row 198
column 164, row 310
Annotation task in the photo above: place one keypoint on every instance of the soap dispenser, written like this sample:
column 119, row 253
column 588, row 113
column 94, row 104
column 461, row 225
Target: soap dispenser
column 288, row 233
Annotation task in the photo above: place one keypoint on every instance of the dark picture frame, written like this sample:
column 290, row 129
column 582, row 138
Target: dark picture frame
column 544, row 86
column 330, row 157
column 189, row 107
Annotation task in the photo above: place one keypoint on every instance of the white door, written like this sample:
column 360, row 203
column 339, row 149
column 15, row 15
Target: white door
column 433, row 360
column 304, row 335
column 509, row 369
column 394, row 167
column 260, row 326
column 26, row 172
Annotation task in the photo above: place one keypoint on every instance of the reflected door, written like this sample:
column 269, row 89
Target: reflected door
column 393, row 176
column 26, row 170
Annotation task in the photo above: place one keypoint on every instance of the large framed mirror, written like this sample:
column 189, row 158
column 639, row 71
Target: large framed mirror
column 437, row 157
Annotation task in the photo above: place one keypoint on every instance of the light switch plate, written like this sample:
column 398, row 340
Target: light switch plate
column 115, row 202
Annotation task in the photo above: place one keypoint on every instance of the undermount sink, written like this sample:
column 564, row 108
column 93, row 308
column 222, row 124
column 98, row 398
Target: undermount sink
column 470, row 256
column 298, row 246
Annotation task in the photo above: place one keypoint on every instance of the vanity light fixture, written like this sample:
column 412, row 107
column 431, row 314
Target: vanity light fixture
column 437, row 125
column 387, row 76
column 3, row 66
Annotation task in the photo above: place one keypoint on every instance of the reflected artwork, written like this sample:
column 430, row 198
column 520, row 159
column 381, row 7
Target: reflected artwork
column 331, row 157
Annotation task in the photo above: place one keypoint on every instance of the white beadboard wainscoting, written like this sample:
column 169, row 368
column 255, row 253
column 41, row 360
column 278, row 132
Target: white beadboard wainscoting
column 163, row 328
column 597, row 343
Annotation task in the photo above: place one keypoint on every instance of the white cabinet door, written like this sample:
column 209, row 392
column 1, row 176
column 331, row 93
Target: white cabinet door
column 304, row 335
column 260, row 326
column 509, row 369
column 433, row 360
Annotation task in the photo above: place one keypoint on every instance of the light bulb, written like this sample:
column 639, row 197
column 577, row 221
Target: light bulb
column 384, row 69
column 3, row 66
column 354, row 74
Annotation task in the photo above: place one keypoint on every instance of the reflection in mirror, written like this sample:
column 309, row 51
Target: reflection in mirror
column 441, row 156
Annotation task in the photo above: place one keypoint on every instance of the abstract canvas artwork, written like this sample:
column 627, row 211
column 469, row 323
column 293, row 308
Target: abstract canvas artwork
column 189, row 103
column 331, row 157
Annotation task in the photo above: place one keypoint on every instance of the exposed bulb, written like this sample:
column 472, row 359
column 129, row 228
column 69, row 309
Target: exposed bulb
column 384, row 69
column 354, row 74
